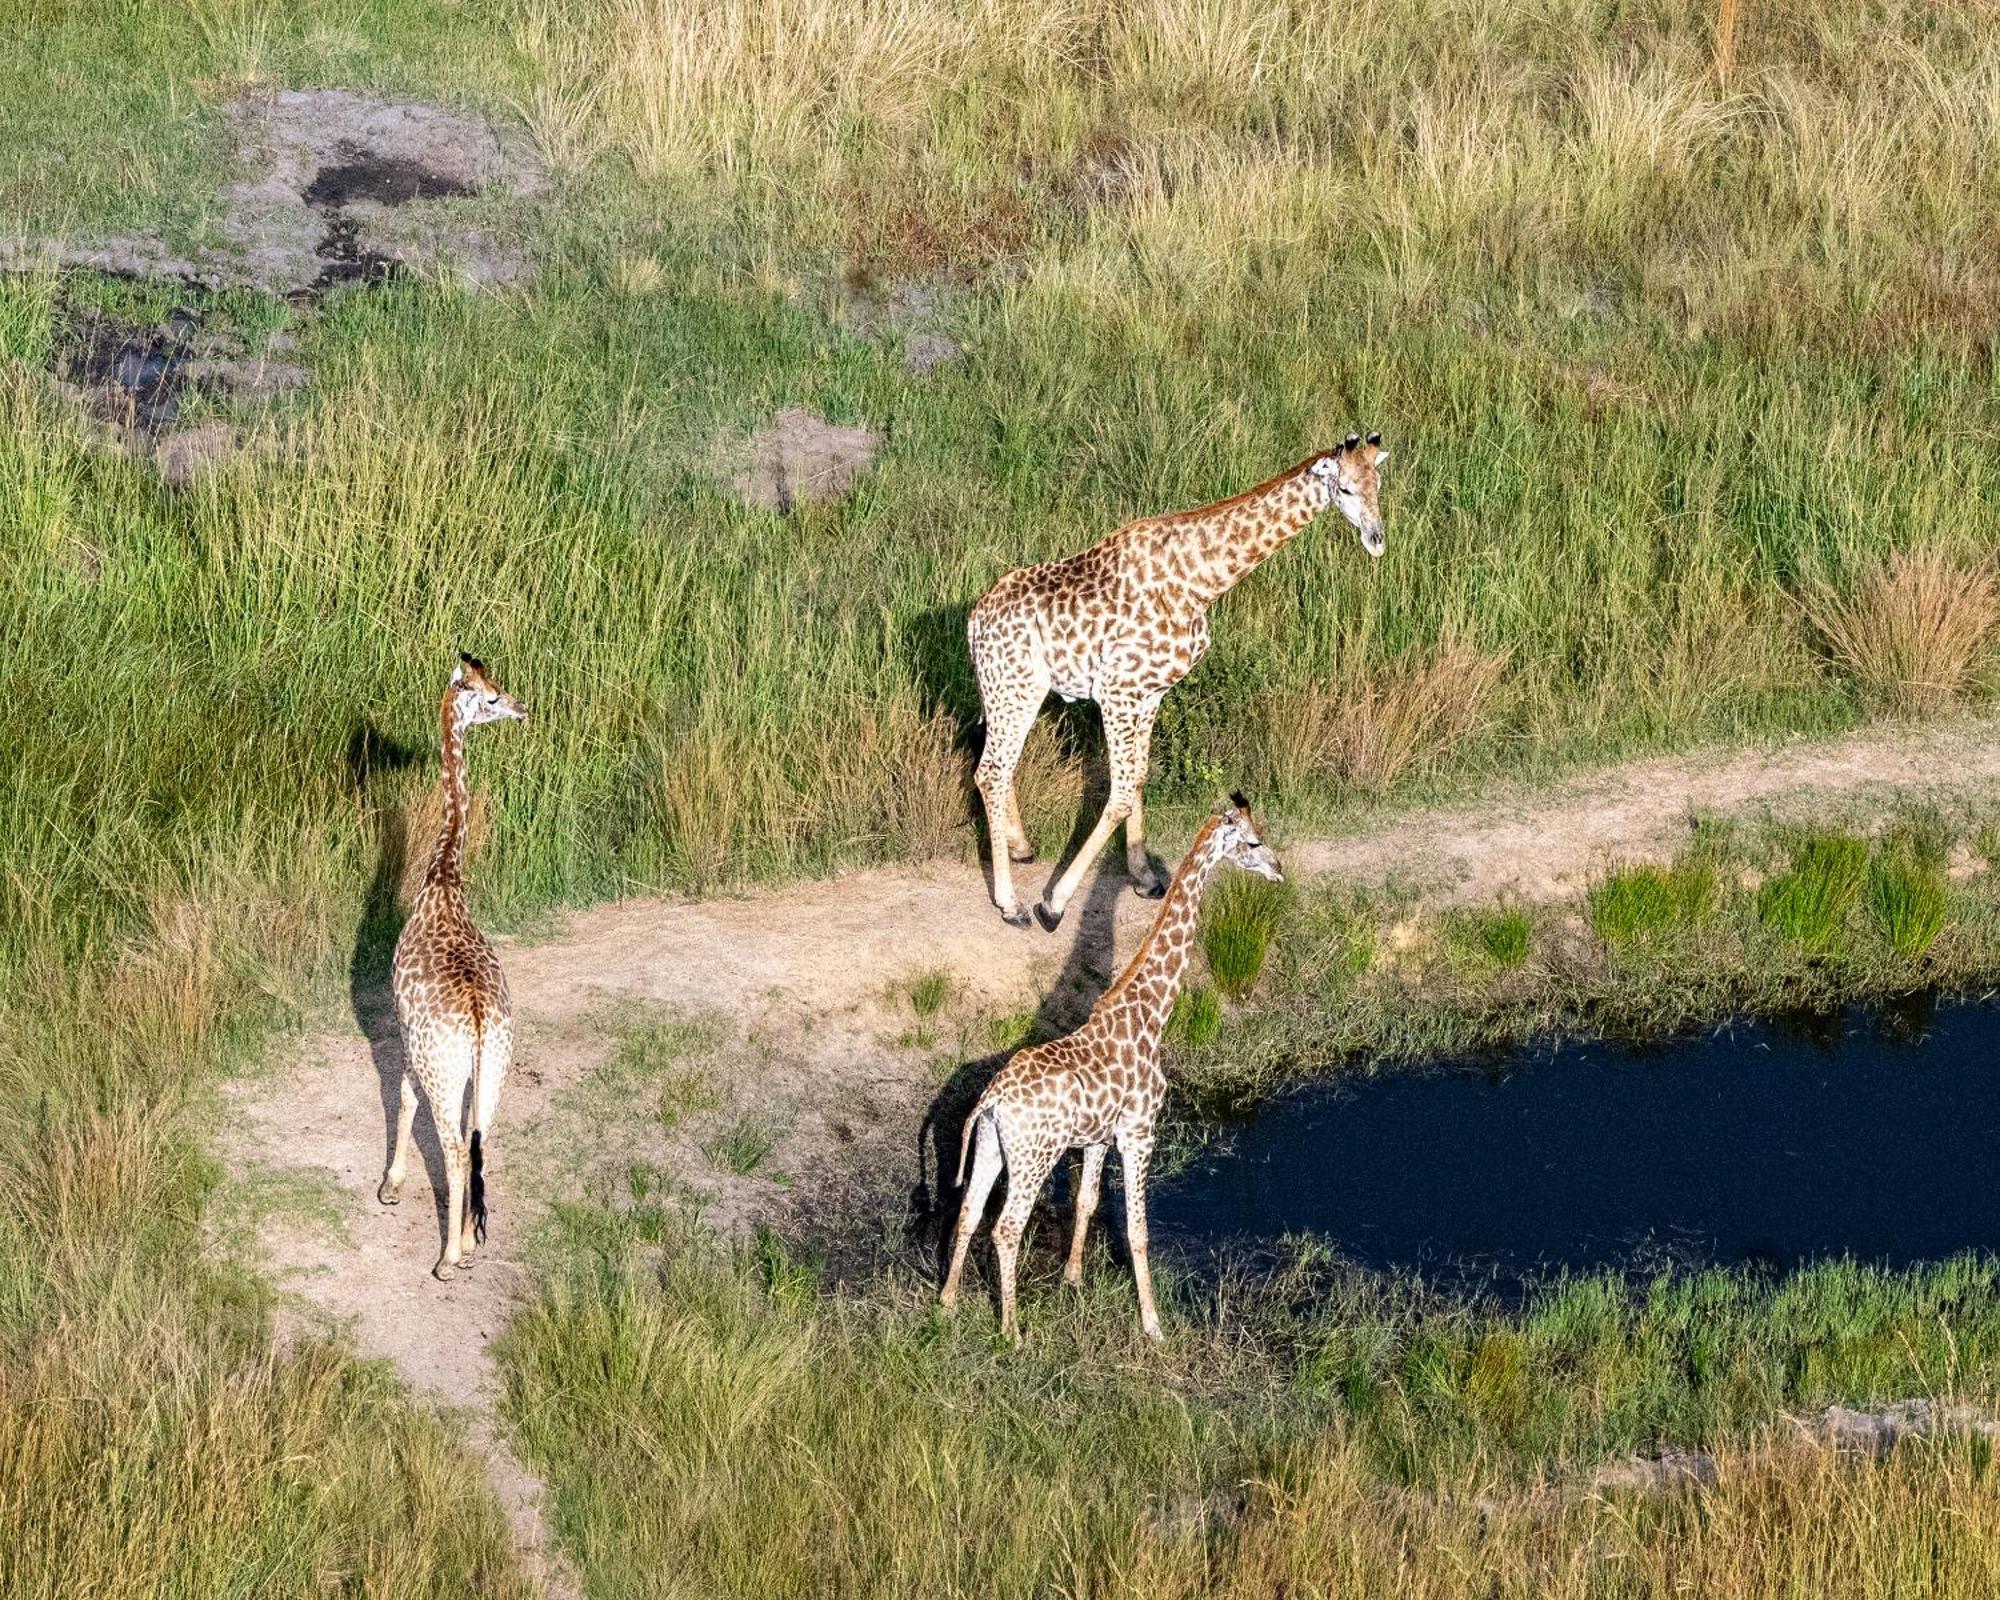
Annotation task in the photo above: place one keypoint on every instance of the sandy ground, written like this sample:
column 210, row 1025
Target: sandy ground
column 809, row 983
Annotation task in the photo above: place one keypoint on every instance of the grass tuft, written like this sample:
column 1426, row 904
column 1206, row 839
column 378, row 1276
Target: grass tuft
column 1641, row 902
column 1238, row 924
column 1196, row 1020
column 1913, row 632
column 1813, row 903
column 929, row 991
column 1908, row 900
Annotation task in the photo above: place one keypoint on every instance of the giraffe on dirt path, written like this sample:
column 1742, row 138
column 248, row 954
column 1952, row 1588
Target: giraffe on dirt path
column 1095, row 1087
column 1121, row 623
column 451, row 996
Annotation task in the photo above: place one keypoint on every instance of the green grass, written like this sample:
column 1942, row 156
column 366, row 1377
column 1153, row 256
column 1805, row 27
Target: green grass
column 928, row 992
column 1239, row 919
column 1196, row 1019
column 765, row 1436
column 1813, row 903
column 1645, row 901
column 1503, row 934
column 743, row 1147
column 1908, row 901
column 1183, row 245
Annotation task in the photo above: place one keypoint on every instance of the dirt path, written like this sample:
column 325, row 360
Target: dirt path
column 809, row 984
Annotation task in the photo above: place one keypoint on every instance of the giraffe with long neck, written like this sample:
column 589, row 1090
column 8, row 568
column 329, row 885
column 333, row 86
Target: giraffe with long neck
column 1099, row 1086
column 451, row 996
column 1121, row 623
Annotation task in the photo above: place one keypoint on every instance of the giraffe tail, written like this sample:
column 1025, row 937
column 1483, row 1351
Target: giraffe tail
column 965, row 1139
column 475, row 1193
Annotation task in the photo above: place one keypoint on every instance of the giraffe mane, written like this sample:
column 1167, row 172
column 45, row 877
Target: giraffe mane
column 1168, row 904
column 1230, row 502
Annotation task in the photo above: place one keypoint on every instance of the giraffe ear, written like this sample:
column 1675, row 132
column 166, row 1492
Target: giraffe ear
column 458, row 674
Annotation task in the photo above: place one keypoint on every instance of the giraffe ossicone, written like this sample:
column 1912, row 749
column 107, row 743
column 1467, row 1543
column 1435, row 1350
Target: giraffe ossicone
column 1121, row 623
column 1099, row 1086
column 451, row 996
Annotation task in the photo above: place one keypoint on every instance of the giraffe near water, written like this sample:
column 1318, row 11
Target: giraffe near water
column 1096, row 1087
column 1121, row 623
column 451, row 996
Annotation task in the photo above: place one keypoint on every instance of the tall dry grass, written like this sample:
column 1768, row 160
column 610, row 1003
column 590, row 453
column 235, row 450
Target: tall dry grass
column 1914, row 631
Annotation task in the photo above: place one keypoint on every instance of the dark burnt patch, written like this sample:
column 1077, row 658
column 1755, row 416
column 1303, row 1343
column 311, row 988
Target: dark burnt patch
column 361, row 174
column 128, row 374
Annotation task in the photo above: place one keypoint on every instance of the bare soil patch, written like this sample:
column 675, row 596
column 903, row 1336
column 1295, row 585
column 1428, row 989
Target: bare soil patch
column 802, row 457
column 810, row 986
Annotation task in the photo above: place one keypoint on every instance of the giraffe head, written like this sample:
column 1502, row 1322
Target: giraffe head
column 1352, row 476
column 1238, row 842
column 474, row 698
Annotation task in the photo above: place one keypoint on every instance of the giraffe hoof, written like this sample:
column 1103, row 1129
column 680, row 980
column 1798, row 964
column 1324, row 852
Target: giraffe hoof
column 1153, row 1332
column 1050, row 920
column 443, row 1272
column 1150, row 889
column 1014, row 919
column 1022, row 858
column 389, row 1194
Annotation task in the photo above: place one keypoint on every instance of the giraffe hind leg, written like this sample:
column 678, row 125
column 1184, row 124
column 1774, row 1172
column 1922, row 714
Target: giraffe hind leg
column 986, row 1164
column 391, row 1191
column 1006, row 734
column 1128, row 728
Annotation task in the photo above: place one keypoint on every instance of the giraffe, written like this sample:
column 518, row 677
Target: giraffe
column 1121, row 623
column 451, row 996
column 1097, row 1086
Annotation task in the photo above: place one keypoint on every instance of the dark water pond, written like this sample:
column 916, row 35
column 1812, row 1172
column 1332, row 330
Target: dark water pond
column 1874, row 1134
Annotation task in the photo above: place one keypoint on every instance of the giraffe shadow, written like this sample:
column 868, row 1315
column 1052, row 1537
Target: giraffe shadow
column 1089, row 965
column 370, row 754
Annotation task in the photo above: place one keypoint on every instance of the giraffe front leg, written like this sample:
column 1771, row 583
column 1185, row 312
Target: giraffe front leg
column 454, row 1206
column 1086, row 1205
column 1020, row 848
column 391, row 1192
column 986, row 1165
column 1147, row 880
column 1134, row 1152
column 1128, row 727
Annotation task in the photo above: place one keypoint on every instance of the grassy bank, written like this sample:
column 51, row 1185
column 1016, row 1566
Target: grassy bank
column 1675, row 361
column 751, row 1433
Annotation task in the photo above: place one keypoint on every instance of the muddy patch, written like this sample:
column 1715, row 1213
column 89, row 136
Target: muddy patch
column 341, row 189
column 326, row 166
column 131, row 380
column 799, row 458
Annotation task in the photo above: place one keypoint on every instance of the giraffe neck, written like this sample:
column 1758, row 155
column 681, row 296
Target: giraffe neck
column 1228, row 540
column 1151, row 980
column 448, row 854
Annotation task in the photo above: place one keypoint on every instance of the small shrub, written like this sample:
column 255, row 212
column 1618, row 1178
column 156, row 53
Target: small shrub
column 742, row 1147
column 929, row 991
column 1907, row 900
column 1197, row 1016
column 1640, row 902
column 684, row 1093
column 1016, row 1028
column 1911, row 632
column 1505, row 936
column 1812, row 903
column 1236, row 929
